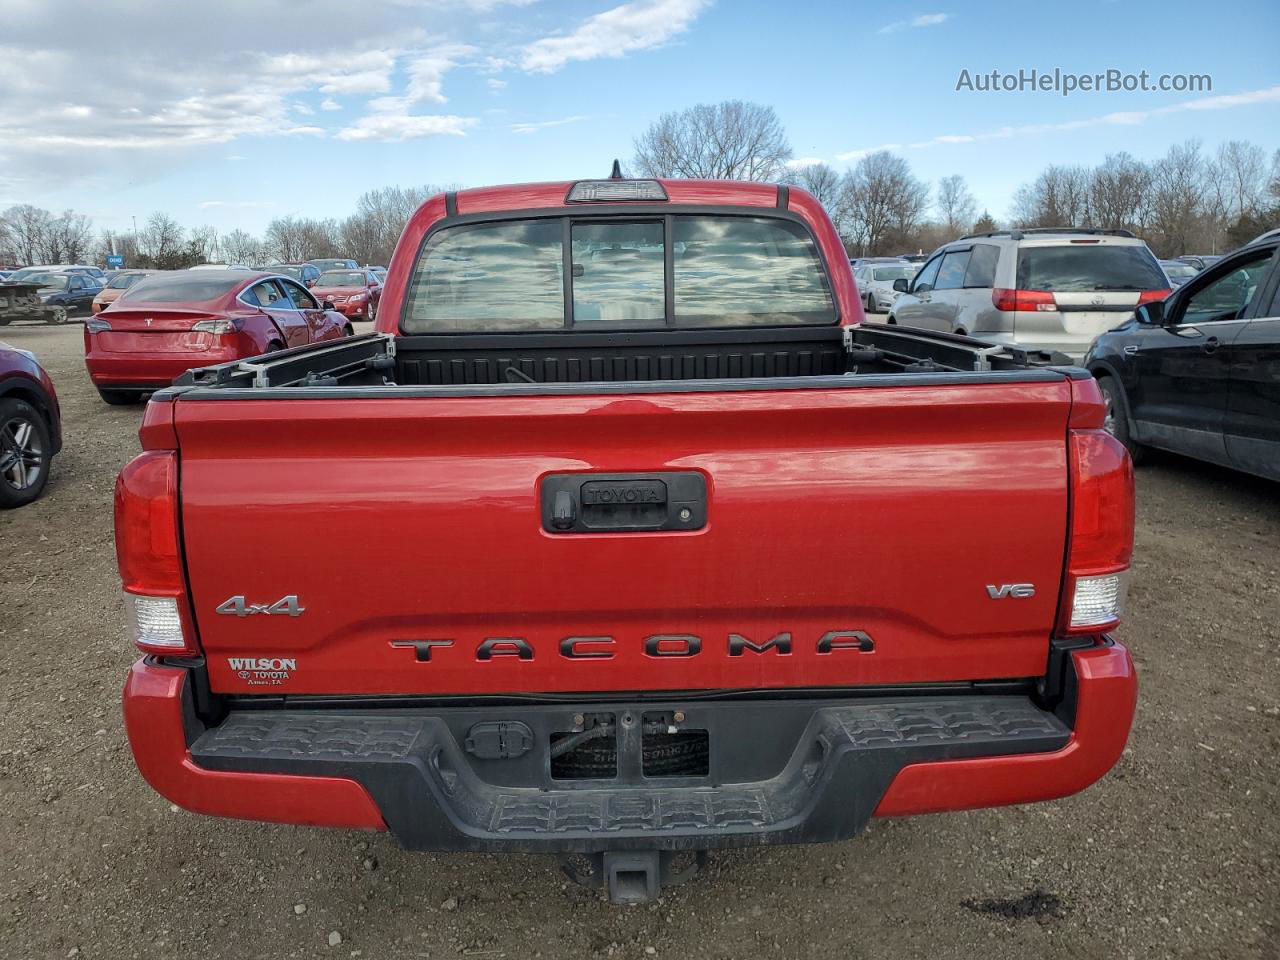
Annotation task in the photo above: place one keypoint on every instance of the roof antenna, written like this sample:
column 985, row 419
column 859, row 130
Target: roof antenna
column 616, row 174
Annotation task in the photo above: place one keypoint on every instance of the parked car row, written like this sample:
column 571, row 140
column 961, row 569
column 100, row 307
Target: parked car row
column 876, row 277
column 163, row 325
column 150, row 326
column 1187, row 350
column 53, row 295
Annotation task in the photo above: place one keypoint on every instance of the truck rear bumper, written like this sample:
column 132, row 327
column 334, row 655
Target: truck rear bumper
column 828, row 767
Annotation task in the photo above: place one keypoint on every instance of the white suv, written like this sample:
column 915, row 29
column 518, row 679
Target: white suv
column 1050, row 288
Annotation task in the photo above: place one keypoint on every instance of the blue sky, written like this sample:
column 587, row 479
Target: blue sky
column 244, row 111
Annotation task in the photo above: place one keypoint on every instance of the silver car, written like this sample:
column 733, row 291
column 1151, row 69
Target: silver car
column 1178, row 271
column 875, row 282
column 1047, row 289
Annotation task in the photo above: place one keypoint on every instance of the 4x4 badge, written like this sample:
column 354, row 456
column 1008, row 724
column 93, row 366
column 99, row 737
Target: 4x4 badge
column 285, row 606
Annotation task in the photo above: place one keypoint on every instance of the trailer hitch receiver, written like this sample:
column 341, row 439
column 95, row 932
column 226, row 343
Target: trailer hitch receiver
column 634, row 876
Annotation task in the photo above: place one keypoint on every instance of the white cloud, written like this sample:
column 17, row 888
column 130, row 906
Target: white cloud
column 614, row 33
column 368, row 72
column 75, row 112
column 923, row 20
column 799, row 163
column 1128, row 118
column 426, row 79
column 236, row 156
column 395, row 127
column 544, row 124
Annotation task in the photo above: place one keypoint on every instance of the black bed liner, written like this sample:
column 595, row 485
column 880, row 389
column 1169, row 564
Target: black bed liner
column 649, row 361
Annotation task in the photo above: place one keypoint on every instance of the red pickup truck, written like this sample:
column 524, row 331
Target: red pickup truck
column 625, row 538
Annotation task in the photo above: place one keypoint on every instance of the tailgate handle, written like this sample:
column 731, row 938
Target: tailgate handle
column 623, row 502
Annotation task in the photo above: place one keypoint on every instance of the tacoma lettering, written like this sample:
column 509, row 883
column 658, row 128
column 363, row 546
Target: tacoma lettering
column 676, row 645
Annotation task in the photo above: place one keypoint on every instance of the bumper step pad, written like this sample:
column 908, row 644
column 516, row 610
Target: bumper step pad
column 433, row 799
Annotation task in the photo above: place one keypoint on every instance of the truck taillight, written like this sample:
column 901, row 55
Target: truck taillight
column 1028, row 300
column 149, row 556
column 1101, row 532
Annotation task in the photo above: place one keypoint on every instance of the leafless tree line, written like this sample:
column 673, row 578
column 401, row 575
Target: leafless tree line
column 1188, row 201
column 878, row 204
column 31, row 235
column 1185, row 202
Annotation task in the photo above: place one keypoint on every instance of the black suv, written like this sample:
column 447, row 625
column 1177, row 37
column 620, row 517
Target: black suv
column 1199, row 373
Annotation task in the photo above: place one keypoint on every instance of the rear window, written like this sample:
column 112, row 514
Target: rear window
column 645, row 273
column 893, row 273
column 1184, row 270
column 124, row 281
column 341, row 278
column 183, row 288
column 1082, row 267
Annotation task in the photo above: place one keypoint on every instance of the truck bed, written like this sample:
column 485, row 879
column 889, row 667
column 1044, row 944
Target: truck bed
column 774, row 358
column 867, row 495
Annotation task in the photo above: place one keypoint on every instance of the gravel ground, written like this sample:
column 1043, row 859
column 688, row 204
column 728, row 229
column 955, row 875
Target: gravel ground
column 1174, row 854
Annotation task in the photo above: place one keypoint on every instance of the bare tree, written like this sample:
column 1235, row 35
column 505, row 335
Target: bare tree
column 1118, row 193
column 285, row 239
column 162, row 242
column 732, row 140
column 25, row 228
column 956, row 205
column 882, row 202
column 1177, row 189
column 371, row 233
column 204, row 242
column 819, row 179
column 1058, row 197
column 1241, row 169
column 241, row 247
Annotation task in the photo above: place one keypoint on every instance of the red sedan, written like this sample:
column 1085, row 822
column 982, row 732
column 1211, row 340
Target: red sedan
column 165, row 325
column 353, row 293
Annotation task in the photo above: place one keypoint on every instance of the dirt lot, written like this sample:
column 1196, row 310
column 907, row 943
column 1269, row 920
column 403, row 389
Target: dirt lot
column 1175, row 853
